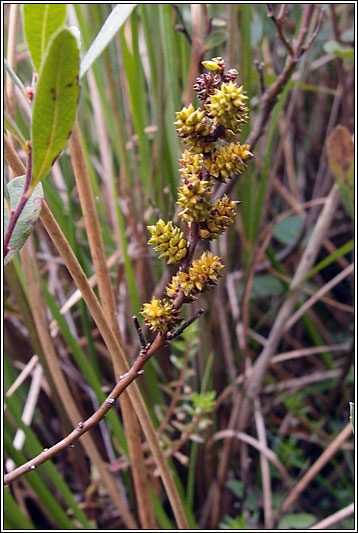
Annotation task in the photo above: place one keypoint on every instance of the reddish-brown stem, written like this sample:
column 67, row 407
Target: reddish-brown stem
column 20, row 207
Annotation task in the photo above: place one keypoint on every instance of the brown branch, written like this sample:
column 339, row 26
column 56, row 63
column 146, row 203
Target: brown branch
column 278, row 22
column 179, row 331
column 270, row 96
column 83, row 426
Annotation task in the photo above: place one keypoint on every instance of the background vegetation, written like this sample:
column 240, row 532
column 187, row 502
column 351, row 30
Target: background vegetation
column 282, row 459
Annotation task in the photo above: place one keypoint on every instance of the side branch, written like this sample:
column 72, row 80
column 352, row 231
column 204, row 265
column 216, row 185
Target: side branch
column 134, row 372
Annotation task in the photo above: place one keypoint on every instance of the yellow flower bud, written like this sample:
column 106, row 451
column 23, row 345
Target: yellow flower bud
column 211, row 65
column 169, row 240
column 228, row 160
column 227, row 107
column 194, row 198
column 160, row 315
column 203, row 273
column 222, row 214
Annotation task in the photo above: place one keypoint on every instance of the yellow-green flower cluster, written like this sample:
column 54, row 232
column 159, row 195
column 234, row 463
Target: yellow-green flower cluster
column 193, row 126
column 212, row 153
column 222, row 214
column 203, row 273
column 191, row 164
column 227, row 107
column 169, row 240
column 160, row 315
column 194, row 196
column 228, row 160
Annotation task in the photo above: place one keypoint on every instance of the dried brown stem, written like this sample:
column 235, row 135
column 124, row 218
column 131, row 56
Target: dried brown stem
column 94, row 234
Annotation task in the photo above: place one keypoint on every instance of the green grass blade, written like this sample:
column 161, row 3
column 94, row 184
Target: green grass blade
column 341, row 251
column 109, row 29
column 44, row 493
column 13, row 515
column 48, row 472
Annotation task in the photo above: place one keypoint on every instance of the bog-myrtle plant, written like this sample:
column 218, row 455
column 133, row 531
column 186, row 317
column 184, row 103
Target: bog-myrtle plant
column 212, row 154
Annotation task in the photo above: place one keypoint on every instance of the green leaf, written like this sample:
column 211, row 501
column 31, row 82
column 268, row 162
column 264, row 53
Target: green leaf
column 13, row 513
column 109, row 29
column 26, row 221
column 215, row 38
column 343, row 250
column 237, row 487
column 55, row 103
column 238, row 522
column 11, row 126
column 14, row 77
column 286, row 230
column 343, row 52
column 40, row 22
column 351, row 414
column 265, row 285
column 297, row 521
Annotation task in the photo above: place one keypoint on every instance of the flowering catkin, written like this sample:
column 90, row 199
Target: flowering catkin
column 212, row 154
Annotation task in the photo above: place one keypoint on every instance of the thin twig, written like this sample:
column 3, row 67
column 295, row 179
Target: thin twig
column 179, row 331
column 28, row 368
column 279, row 27
column 183, row 27
column 141, row 338
column 265, row 469
column 260, row 70
column 340, row 515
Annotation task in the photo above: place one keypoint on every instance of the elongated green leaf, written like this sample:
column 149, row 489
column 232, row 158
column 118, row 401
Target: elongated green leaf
column 347, row 247
column 13, row 128
column 14, row 514
column 26, row 221
column 14, row 77
column 44, row 494
column 115, row 20
column 48, row 471
column 55, row 103
column 40, row 22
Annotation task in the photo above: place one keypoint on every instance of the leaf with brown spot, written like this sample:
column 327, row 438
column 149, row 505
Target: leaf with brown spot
column 340, row 150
